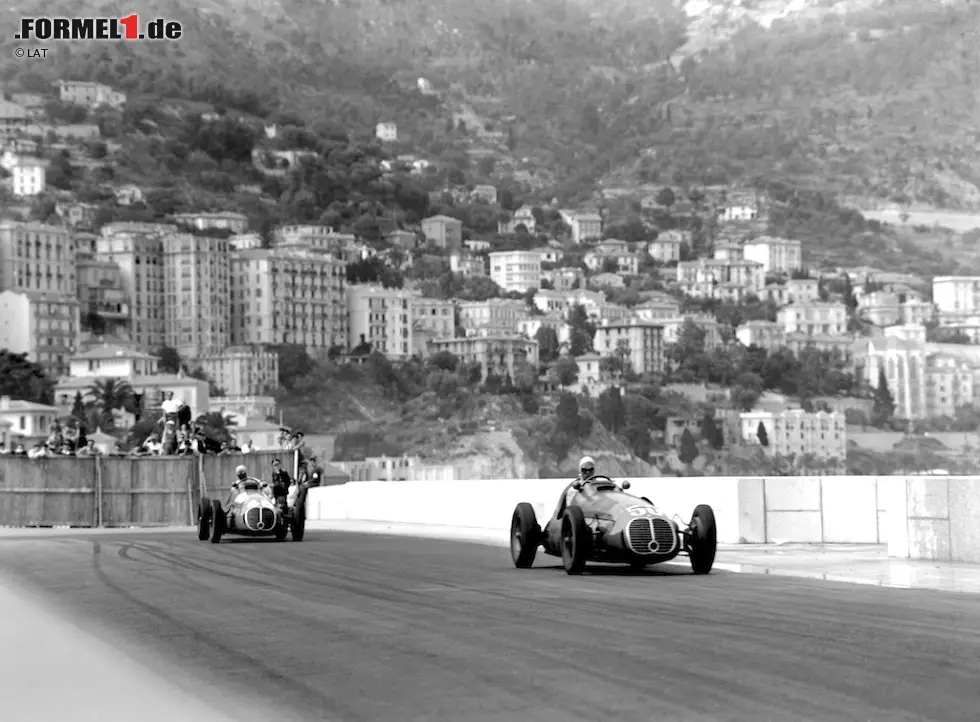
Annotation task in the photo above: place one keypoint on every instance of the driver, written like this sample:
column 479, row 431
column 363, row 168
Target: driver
column 586, row 472
column 242, row 475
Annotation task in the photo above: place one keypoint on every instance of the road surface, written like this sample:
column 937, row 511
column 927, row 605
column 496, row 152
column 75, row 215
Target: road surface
column 363, row 628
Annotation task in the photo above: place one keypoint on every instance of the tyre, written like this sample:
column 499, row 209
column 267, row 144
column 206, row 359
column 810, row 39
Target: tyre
column 217, row 521
column 282, row 526
column 576, row 541
column 204, row 520
column 703, row 539
column 525, row 536
column 299, row 517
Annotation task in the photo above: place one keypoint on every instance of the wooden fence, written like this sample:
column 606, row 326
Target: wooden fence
column 121, row 491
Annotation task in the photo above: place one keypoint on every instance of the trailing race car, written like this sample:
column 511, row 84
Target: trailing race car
column 252, row 513
column 603, row 523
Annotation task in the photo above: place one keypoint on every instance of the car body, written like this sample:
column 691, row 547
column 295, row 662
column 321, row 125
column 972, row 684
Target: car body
column 252, row 513
column 604, row 523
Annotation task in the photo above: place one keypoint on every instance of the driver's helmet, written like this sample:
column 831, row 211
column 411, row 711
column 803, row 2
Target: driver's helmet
column 586, row 467
column 242, row 473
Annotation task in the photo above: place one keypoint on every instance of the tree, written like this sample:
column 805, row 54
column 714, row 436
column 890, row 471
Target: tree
column 78, row 407
column 666, row 197
column 582, row 331
column 294, row 363
column 611, row 410
column 24, row 380
column 547, row 339
column 710, row 431
column 689, row 448
column 108, row 396
column 883, row 408
column 170, row 362
column 215, row 427
column 762, row 434
column 566, row 371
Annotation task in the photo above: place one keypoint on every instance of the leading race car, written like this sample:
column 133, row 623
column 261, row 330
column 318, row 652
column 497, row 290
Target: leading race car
column 252, row 513
column 603, row 523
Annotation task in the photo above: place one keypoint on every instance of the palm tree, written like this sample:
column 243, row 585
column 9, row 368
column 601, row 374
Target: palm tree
column 107, row 396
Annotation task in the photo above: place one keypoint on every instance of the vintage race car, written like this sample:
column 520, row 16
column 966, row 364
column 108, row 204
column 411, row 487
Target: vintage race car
column 603, row 523
column 253, row 513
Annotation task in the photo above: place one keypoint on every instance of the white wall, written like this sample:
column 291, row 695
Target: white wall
column 934, row 517
column 748, row 510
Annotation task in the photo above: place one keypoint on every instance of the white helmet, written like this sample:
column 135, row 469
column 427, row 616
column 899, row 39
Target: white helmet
column 241, row 472
column 586, row 467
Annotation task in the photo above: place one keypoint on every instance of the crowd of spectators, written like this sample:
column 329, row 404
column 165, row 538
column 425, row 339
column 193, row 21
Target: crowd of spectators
column 173, row 435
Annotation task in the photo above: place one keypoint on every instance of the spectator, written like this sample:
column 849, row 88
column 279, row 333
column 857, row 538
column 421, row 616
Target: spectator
column 280, row 482
column 168, row 442
column 170, row 407
column 315, row 472
column 38, row 451
column 88, row 450
column 19, row 450
column 248, row 447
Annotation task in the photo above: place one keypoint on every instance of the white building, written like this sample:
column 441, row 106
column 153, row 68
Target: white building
column 643, row 340
column 243, row 370
column 516, row 270
column 797, row 432
column 28, row 422
column 814, row 319
column 777, row 255
column 386, row 132
column 29, row 178
column 957, row 295
column 381, row 317
column 45, row 326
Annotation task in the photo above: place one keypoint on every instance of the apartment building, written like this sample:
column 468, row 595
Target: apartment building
column 101, row 292
column 37, row 257
column 45, row 326
column 91, row 95
column 243, row 370
column 288, row 296
column 137, row 249
column 706, row 322
column 956, row 296
column 30, row 177
column 763, row 334
column 516, row 270
column 585, row 226
column 495, row 315
column 565, row 278
column 722, row 279
column 643, row 341
column 468, row 263
column 814, row 319
column 497, row 354
column 433, row 314
column 197, row 272
column 444, row 232
column 658, row 308
column 381, row 317
column 666, row 248
column 615, row 254
column 213, row 221
column 796, row 432
column 315, row 238
column 777, row 255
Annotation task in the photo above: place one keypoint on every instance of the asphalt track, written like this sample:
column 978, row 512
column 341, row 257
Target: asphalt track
column 365, row 628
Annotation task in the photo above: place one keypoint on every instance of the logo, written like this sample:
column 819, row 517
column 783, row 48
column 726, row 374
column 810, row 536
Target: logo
column 130, row 27
column 260, row 526
column 654, row 546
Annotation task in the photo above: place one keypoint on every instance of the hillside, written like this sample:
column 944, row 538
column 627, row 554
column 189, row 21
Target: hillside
column 873, row 99
column 444, row 417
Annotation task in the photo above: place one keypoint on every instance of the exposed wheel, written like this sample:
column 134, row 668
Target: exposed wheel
column 298, row 525
column 282, row 527
column 217, row 521
column 204, row 519
column 576, row 541
column 525, row 536
column 703, row 539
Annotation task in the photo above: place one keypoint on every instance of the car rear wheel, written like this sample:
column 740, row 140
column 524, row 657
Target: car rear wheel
column 217, row 521
column 576, row 541
column 282, row 526
column 299, row 517
column 204, row 519
column 525, row 536
column 703, row 539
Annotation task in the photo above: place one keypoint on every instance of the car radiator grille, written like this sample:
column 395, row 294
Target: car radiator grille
column 650, row 536
column 260, row 519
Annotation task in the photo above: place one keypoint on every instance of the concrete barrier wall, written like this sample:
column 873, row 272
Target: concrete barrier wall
column 934, row 517
column 750, row 510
